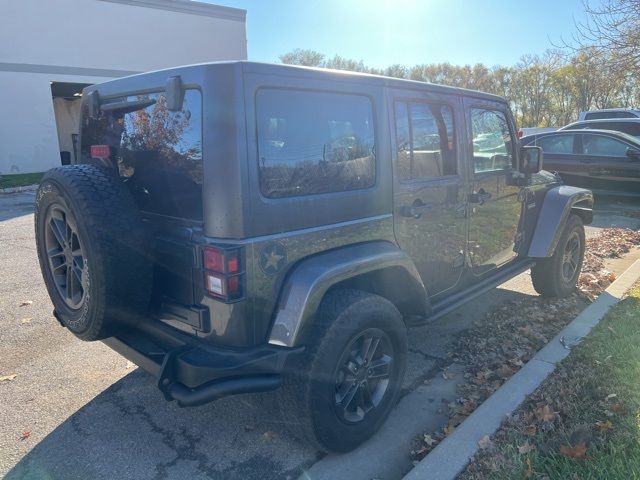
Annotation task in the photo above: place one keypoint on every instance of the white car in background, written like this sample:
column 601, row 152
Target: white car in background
column 609, row 113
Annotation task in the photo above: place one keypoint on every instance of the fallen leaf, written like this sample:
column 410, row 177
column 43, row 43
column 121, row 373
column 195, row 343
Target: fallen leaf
column 24, row 321
column 8, row 378
column 616, row 408
column 545, row 413
column 26, row 303
column 446, row 375
column 578, row 451
column 526, row 448
column 606, row 425
column 484, row 442
column 529, row 472
column 25, row 435
column 429, row 440
column 504, row 371
column 448, row 430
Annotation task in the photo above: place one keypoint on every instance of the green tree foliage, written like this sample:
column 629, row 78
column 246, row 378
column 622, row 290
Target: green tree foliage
column 544, row 90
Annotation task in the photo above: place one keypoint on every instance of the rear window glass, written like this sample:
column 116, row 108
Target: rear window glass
column 314, row 142
column 425, row 140
column 157, row 152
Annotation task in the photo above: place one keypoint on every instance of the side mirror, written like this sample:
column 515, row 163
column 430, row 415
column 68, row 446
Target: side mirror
column 174, row 94
column 530, row 160
column 633, row 154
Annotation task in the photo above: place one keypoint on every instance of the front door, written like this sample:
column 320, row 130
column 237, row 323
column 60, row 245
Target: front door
column 430, row 196
column 494, row 207
column 606, row 165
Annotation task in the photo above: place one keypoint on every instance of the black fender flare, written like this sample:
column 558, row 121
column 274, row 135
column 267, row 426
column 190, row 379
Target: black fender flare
column 557, row 205
column 311, row 278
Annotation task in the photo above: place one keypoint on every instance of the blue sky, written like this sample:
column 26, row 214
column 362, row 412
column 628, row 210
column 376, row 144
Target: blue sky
column 384, row 32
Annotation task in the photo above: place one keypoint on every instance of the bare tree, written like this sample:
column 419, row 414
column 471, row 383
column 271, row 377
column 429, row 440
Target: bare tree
column 612, row 30
column 299, row 56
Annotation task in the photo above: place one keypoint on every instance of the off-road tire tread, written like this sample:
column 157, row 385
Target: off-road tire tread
column 545, row 275
column 325, row 330
column 123, row 278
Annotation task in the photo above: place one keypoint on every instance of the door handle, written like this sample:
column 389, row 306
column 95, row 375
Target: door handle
column 415, row 210
column 480, row 197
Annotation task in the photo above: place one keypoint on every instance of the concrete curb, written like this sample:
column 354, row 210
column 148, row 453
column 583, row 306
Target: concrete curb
column 451, row 456
column 24, row 188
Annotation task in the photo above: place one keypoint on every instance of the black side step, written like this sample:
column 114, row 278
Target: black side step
column 456, row 300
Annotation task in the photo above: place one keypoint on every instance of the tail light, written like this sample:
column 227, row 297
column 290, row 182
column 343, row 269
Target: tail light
column 100, row 151
column 223, row 275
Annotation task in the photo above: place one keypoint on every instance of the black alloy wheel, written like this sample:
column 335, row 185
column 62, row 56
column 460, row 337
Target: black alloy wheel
column 65, row 256
column 363, row 375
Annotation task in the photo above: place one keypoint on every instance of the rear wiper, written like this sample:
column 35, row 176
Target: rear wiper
column 127, row 107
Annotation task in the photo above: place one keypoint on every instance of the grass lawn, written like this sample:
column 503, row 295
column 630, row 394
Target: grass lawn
column 20, row 179
column 584, row 421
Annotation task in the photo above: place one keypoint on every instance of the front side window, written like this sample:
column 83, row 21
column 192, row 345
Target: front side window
column 313, row 142
column 557, row 144
column 492, row 140
column 425, row 140
column 600, row 145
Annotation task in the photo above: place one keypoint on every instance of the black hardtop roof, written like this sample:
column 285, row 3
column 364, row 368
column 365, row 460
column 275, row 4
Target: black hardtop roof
column 320, row 73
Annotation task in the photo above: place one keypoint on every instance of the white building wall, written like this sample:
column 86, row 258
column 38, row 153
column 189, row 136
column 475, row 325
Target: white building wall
column 90, row 41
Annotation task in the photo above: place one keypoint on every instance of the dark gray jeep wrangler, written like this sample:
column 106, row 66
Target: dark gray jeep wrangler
column 237, row 227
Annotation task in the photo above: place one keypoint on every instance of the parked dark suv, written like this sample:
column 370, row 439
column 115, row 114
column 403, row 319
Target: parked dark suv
column 238, row 227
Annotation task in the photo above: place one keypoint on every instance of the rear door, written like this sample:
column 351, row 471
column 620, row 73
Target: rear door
column 495, row 208
column 429, row 193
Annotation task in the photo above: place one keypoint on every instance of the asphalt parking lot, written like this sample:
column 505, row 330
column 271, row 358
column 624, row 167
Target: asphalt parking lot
column 79, row 410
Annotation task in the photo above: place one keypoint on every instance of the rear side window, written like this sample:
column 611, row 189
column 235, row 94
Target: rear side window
column 557, row 143
column 157, row 152
column 600, row 145
column 492, row 140
column 425, row 140
column 314, row 142
column 630, row 128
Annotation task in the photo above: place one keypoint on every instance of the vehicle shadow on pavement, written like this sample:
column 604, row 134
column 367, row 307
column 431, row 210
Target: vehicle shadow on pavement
column 130, row 431
column 14, row 205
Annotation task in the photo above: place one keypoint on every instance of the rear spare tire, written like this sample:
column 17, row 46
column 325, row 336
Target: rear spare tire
column 92, row 251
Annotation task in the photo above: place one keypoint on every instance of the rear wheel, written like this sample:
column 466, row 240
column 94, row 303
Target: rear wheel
column 557, row 275
column 92, row 250
column 352, row 374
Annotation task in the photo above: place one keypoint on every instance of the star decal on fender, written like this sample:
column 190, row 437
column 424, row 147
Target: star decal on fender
column 272, row 258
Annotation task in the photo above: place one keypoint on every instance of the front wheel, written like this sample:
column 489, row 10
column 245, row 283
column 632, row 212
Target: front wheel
column 557, row 275
column 351, row 377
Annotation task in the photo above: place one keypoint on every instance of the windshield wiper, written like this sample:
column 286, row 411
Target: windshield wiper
column 127, row 107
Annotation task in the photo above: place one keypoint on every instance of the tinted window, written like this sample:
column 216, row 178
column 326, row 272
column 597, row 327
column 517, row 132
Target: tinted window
column 425, row 140
column 311, row 142
column 557, row 143
column 158, row 152
column 599, row 115
column 604, row 146
column 630, row 128
column 492, row 140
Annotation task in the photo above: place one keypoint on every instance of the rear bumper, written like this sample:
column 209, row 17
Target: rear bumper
column 193, row 373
